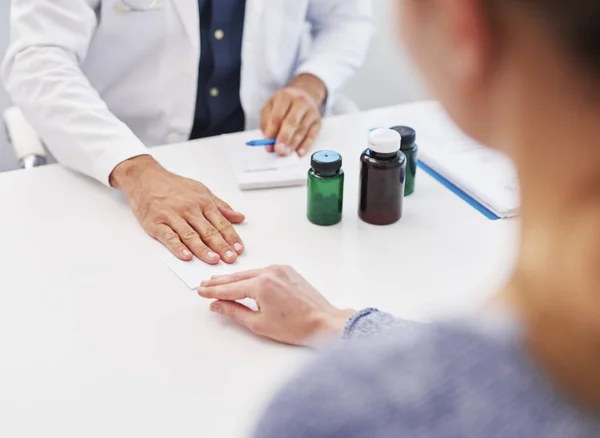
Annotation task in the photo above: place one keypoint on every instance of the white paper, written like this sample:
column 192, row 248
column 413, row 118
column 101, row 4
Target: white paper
column 194, row 272
column 257, row 169
column 256, row 159
column 487, row 175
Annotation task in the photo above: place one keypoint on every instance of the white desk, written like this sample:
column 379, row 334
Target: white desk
column 98, row 338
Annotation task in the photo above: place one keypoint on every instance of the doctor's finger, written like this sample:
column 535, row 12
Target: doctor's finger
column 282, row 103
column 310, row 118
column 230, row 214
column 224, row 227
column 310, row 138
column 265, row 120
column 290, row 126
column 269, row 129
column 192, row 241
column 169, row 238
column 212, row 237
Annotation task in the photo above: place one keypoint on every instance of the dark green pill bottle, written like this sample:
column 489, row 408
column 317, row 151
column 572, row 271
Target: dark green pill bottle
column 325, row 188
column 410, row 149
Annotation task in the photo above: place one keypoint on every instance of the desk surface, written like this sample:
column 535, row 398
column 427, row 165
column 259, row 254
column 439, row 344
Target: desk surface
column 98, row 338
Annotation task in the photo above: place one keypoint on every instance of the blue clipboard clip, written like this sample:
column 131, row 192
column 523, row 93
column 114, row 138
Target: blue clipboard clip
column 459, row 192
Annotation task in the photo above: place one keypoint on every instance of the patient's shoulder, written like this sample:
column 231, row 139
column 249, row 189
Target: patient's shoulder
column 449, row 380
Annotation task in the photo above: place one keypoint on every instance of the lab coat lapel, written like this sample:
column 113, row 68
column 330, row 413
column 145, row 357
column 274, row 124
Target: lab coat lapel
column 253, row 26
column 252, row 92
column 190, row 17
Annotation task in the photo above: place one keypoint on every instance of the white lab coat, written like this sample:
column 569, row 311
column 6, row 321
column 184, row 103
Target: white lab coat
column 99, row 84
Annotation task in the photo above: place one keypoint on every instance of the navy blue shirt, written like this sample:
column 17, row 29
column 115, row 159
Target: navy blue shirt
column 218, row 106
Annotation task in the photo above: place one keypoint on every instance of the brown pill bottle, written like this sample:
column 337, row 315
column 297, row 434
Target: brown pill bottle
column 382, row 178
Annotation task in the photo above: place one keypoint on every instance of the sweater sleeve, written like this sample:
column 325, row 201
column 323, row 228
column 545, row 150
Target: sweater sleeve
column 372, row 322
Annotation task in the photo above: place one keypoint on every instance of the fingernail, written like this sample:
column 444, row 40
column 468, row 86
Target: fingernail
column 290, row 150
column 229, row 254
column 186, row 253
column 301, row 152
column 217, row 308
column 238, row 247
column 212, row 255
column 282, row 148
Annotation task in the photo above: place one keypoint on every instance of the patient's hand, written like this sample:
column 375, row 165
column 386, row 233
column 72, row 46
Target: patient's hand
column 290, row 309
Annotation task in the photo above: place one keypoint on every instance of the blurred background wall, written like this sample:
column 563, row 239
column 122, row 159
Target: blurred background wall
column 387, row 77
column 7, row 159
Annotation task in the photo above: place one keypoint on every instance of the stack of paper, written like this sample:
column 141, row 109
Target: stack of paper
column 257, row 169
column 488, row 176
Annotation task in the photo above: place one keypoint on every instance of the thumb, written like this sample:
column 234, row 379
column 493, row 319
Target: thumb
column 235, row 311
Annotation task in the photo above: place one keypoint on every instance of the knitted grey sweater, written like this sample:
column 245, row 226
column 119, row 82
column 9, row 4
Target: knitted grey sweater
column 471, row 379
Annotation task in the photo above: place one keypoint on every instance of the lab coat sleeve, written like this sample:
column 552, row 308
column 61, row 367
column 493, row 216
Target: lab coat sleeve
column 341, row 33
column 42, row 74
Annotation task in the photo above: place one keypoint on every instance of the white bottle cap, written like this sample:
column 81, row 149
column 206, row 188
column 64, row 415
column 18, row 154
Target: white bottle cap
column 384, row 141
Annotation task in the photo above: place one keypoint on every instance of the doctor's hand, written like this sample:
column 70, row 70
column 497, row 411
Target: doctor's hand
column 290, row 309
column 293, row 115
column 181, row 213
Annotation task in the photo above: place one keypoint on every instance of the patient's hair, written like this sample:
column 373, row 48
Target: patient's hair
column 575, row 24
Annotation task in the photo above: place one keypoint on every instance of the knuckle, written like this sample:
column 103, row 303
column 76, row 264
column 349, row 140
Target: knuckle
column 224, row 225
column 158, row 219
column 264, row 281
column 255, row 327
column 210, row 232
column 305, row 101
column 212, row 208
column 171, row 238
column 276, row 269
column 156, row 215
column 189, row 206
column 223, row 204
column 301, row 133
column 268, row 281
column 230, row 312
column 294, row 120
column 284, row 138
column 222, row 247
column 190, row 236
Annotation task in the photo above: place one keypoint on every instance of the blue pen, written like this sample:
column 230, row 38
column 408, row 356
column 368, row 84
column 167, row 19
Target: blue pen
column 265, row 142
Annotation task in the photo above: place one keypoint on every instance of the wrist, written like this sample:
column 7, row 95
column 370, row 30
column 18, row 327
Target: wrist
column 332, row 324
column 129, row 171
column 311, row 85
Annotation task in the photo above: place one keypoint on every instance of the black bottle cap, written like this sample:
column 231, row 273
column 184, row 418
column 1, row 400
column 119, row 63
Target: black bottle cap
column 409, row 136
column 326, row 162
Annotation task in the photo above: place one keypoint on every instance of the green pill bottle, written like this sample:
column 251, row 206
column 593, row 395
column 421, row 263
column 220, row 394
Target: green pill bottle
column 410, row 149
column 325, row 188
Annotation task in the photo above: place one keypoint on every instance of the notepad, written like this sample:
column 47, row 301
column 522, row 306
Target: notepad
column 194, row 272
column 256, row 168
column 486, row 175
